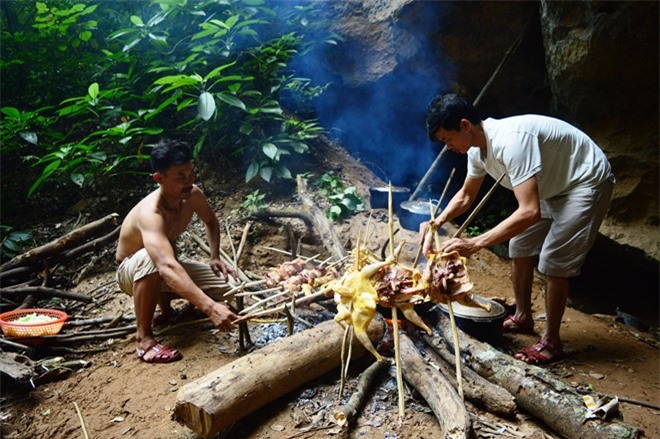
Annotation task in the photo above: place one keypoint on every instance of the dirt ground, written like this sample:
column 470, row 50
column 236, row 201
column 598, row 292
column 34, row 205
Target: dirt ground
column 119, row 396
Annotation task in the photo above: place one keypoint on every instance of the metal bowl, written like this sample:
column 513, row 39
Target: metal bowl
column 412, row 213
column 476, row 321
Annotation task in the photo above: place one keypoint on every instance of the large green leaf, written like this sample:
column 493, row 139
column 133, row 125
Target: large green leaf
column 205, row 106
column 231, row 100
column 252, row 171
column 270, row 150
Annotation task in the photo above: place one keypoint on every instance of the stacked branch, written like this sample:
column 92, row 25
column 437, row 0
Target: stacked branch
column 25, row 278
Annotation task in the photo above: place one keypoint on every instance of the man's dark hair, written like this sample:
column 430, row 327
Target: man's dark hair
column 168, row 153
column 446, row 111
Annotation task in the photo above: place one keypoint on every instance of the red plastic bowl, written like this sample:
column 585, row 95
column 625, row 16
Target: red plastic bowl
column 11, row 328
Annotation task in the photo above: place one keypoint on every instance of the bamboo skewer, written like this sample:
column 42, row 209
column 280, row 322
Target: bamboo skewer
column 395, row 319
column 478, row 208
column 279, row 309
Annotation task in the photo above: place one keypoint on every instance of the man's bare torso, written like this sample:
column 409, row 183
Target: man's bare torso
column 151, row 207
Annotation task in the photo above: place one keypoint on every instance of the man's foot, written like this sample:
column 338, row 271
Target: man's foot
column 539, row 354
column 158, row 353
column 514, row 325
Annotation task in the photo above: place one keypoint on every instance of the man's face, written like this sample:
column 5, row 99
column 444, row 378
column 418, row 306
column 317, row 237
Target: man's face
column 457, row 140
column 177, row 181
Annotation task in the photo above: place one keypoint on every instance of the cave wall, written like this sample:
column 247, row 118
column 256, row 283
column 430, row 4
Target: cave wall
column 592, row 63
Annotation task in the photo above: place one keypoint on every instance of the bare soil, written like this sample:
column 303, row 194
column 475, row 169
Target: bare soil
column 119, row 396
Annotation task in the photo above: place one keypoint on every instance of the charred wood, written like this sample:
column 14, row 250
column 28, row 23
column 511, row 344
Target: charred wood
column 536, row 390
column 447, row 406
column 216, row 401
column 478, row 390
column 347, row 413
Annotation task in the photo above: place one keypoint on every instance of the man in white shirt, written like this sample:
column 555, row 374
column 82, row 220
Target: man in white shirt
column 563, row 184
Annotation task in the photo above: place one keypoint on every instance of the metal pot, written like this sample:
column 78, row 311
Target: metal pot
column 378, row 196
column 479, row 323
column 412, row 213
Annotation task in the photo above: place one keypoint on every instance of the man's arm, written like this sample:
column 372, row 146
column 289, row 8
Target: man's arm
column 203, row 209
column 461, row 201
column 458, row 204
column 527, row 213
column 160, row 250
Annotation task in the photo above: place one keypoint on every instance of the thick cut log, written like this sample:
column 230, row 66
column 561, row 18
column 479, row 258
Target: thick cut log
column 436, row 390
column 328, row 236
column 536, row 390
column 479, row 390
column 65, row 242
column 217, row 400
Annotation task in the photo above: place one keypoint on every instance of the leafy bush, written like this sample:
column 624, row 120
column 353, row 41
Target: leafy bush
column 254, row 202
column 344, row 200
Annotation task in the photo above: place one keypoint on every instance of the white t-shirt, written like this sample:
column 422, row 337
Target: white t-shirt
column 560, row 156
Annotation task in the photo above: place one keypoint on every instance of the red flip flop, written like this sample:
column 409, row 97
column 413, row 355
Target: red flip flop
column 513, row 325
column 533, row 355
column 158, row 353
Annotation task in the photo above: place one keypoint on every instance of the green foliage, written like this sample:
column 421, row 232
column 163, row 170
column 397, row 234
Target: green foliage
column 110, row 78
column 12, row 242
column 254, row 202
column 344, row 200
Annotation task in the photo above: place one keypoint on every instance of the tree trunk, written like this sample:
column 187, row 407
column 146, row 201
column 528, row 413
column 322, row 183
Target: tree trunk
column 536, row 391
column 216, row 401
column 436, row 390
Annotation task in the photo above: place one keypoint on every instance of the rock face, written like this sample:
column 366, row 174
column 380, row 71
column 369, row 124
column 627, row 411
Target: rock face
column 592, row 63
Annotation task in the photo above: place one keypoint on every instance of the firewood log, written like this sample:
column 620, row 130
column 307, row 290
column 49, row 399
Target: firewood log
column 447, row 406
column 478, row 390
column 65, row 242
column 219, row 399
column 536, row 390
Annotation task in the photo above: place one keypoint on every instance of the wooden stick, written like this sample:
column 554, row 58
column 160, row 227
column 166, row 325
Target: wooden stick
column 397, row 358
column 241, row 244
column 348, row 411
column 82, row 421
column 478, row 208
column 279, row 309
column 267, row 299
column 457, row 352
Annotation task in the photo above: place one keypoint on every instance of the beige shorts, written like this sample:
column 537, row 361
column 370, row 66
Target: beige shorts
column 140, row 264
column 566, row 232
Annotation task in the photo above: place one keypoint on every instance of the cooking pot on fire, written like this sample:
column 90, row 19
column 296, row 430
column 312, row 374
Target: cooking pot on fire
column 378, row 196
column 476, row 321
column 412, row 213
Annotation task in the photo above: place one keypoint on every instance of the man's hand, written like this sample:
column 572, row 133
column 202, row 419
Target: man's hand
column 221, row 269
column 222, row 317
column 465, row 247
column 427, row 231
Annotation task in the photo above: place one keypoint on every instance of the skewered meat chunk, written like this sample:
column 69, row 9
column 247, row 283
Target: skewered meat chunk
column 399, row 287
column 446, row 278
